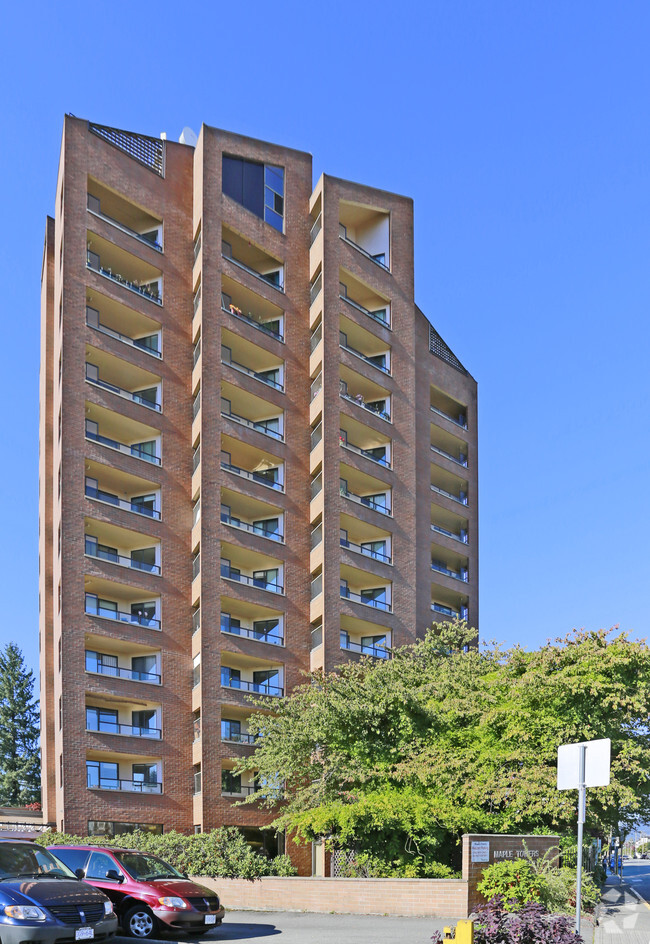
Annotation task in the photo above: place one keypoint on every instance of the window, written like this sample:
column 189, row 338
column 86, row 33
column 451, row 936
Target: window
column 145, row 773
column 101, row 662
column 144, row 721
column 230, row 783
column 60, row 713
column 230, row 678
column 197, row 778
column 265, row 628
column 267, row 681
column 98, row 827
column 230, row 730
column 196, row 670
column 99, row 865
column 73, row 858
column 102, row 774
column 102, row 719
column 143, row 667
column 257, row 187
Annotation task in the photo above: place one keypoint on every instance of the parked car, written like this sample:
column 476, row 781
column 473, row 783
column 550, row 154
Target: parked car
column 41, row 900
column 149, row 895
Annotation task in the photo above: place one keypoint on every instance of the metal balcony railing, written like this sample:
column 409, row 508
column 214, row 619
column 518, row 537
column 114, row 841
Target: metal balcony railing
column 378, row 652
column 126, row 786
column 275, row 278
column 461, row 498
column 92, row 550
column 448, row 611
column 143, row 344
column 367, row 453
column 137, row 451
column 196, row 458
column 315, row 288
column 141, row 619
column 463, row 538
column 260, row 688
column 315, row 338
column 442, row 569
column 261, row 583
column 366, row 551
column 380, row 315
column 267, row 328
column 251, row 634
column 316, row 228
column 93, row 207
column 383, row 509
column 373, row 360
column 370, row 407
column 251, row 528
column 146, row 291
column 252, row 373
column 366, row 601
column 242, row 738
column 116, row 671
column 132, row 730
column 459, row 460
column 121, row 392
column 378, row 258
column 261, row 477
column 461, row 420
column 261, row 427
column 110, row 499
column 240, row 791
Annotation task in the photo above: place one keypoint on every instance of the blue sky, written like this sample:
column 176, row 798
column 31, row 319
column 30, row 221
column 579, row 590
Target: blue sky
column 520, row 130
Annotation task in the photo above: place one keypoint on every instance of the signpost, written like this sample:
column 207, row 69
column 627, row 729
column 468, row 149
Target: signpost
column 580, row 766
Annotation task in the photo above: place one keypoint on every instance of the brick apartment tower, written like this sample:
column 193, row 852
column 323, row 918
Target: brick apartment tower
column 257, row 457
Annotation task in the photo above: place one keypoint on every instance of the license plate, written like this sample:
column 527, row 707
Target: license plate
column 84, row 934
column 210, row 919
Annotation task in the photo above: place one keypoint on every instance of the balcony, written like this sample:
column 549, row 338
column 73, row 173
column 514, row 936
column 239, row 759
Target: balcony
column 104, row 716
column 120, row 660
column 253, row 516
column 251, row 568
column 106, row 542
column 123, row 379
column 375, row 646
column 448, row 603
column 364, row 441
column 233, row 735
column 254, row 676
column 448, row 447
column 365, row 539
column 123, row 324
column 124, row 215
column 256, row 623
column 450, row 409
column 364, row 346
column 448, row 485
column 457, row 571
column 252, row 259
column 461, row 612
column 121, row 490
column 124, row 269
column 112, row 771
column 365, row 490
column 461, row 535
column 123, row 604
column 122, row 434
column 249, row 463
column 367, row 230
column 363, row 588
column 254, row 361
column 237, row 785
column 364, row 299
column 244, row 305
column 247, row 410
column 364, row 393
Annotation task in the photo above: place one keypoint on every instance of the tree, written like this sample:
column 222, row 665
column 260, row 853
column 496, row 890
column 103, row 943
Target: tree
column 20, row 775
column 398, row 758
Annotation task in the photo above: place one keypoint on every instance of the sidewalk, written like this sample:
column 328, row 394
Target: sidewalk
column 624, row 916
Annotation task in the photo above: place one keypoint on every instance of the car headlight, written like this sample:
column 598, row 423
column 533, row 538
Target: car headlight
column 173, row 902
column 108, row 907
column 25, row 912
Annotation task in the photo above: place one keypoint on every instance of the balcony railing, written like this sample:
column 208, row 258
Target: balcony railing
column 450, row 534
column 366, row 551
column 448, row 611
column 253, row 373
column 141, row 619
column 126, row 786
column 315, row 436
column 261, row 583
column 260, row 325
column 366, row 601
column 240, row 791
column 131, row 730
column 461, row 499
column 378, row 652
column 260, row 688
column 260, row 427
column 135, row 450
column 367, row 501
column 116, row 671
column 316, row 228
column 93, row 551
column 243, row 738
column 152, row 243
column 268, row 278
column 197, row 247
column 461, row 420
column 196, row 458
column 259, row 477
column 459, row 460
column 367, row 453
column 315, row 288
column 121, row 392
column 372, row 360
column 93, row 262
column 370, row 407
column 380, row 315
column 110, row 499
column 316, row 337
column 441, row 569
column 378, row 258
column 252, row 634
column 141, row 344
column 251, row 528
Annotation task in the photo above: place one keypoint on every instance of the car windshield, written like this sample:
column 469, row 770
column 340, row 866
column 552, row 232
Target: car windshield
column 145, row 868
column 20, row 860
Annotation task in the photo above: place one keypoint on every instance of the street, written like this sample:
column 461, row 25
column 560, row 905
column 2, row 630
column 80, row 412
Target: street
column 625, row 914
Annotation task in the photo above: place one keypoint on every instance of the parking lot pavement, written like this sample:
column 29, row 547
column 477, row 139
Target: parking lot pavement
column 288, row 927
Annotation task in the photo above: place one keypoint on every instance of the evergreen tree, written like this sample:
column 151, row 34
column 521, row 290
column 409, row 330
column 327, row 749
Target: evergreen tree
column 20, row 774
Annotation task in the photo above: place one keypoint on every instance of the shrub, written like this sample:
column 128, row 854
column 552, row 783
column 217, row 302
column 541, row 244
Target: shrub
column 221, row 852
column 531, row 925
column 515, row 880
column 366, row 865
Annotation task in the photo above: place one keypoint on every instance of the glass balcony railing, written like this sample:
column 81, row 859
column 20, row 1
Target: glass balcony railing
column 316, row 228
column 260, row 530
column 94, row 608
column 271, row 328
column 92, row 377
column 126, row 786
column 459, row 460
column 116, row 671
column 262, row 376
column 315, row 288
column 380, row 315
column 460, row 420
column 373, row 454
column 378, row 652
column 132, row 730
column 365, row 550
column 377, row 604
column 134, row 505
column 92, row 550
column 143, row 344
column 150, row 290
column 262, row 477
column 372, row 406
column 461, row 498
column 462, row 537
column 442, row 569
column 136, row 450
column 263, row 426
column 148, row 239
column 377, row 360
column 375, row 503
column 260, row 688
column 261, row 582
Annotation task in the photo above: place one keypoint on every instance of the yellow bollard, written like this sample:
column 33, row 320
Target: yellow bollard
column 463, row 933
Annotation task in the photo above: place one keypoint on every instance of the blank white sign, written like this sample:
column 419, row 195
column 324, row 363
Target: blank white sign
column 597, row 760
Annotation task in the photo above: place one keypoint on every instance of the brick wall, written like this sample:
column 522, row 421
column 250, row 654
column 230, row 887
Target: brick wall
column 498, row 849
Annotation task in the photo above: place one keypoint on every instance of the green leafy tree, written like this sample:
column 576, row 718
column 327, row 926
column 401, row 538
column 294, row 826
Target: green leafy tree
column 20, row 775
column 398, row 758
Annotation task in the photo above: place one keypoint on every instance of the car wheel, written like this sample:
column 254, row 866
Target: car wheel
column 140, row 922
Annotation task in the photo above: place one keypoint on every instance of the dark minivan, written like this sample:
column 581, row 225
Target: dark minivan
column 149, row 894
column 42, row 901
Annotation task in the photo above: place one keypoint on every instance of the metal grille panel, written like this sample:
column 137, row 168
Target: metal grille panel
column 145, row 150
column 438, row 347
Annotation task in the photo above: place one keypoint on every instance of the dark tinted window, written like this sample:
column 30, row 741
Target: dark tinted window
column 100, row 863
column 257, row 187
column 73, row 858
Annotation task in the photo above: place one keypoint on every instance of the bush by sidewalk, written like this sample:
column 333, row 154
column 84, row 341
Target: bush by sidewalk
column 532, row 924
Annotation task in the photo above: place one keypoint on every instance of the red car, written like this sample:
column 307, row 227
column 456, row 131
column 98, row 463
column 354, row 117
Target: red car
column 148, row 895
